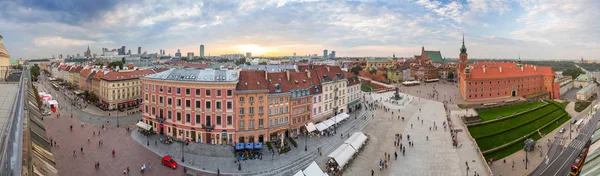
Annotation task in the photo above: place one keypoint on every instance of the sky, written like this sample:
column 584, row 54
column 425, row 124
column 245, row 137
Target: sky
column 531, row 29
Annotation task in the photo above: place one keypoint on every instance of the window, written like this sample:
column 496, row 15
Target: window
column 178, row 102
column 198, row 119
column 146, row 97
column 160, row 100
column 168, row 114
column 229, row 93
column 251, row 110
column 187, row 91
column 260, row 110
column 197, row 92
column 241, row 111
column 218, row 105
column 178, row 116
column 187, row 118
column 229, row 105
column 208, row 105
column 208, row 122
column 168, row 89
column 160, row 89
column 219, row 93
column 241, row 99
column 260, row 123
column 188, row 103
column 207, row 92
column 197, row 104
column 229, row 119
column 260, row 99
column 250, row 123
column 251, row 99
column 169, row 101
column 178, row 90
column 241, row 124
column 146, row 108
column 153, row 86
column 218, row 120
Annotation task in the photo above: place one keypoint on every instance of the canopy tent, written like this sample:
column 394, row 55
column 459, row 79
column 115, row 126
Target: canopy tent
column 249, row 146
column 310, row 127
column 329, row 123
column 313, row 170
column 342, row 154
column 321, row 126
column 356, row 140
column 144, row 126
column 258, row 145
column 52, row 102
column 239, row 146
column 299, row 173
column 340, row 117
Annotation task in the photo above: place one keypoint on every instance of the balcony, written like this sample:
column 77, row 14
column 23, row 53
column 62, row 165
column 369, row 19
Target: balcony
column 208, row 127
column 160, row 119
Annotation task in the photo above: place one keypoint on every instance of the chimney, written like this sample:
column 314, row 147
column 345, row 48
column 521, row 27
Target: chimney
column 484, row 69
column 266, row 75
column 327, row 68
column 521, row 69
column 500, row 69
column 534, row 68
column 287, row 73
column 308, row 73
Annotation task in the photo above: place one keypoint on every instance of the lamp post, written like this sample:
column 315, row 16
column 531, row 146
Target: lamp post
column 147, row 140
column 526, row 159
column 118, row 117
column 182, row 147
column 305, row 141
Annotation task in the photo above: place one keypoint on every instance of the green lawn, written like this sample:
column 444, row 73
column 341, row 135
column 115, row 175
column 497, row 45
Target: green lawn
column 366, row 87
column 499, row 154
column 555, row 125
column 581, row 105
column 491, row 114
column 511, row 135
column 501, row 125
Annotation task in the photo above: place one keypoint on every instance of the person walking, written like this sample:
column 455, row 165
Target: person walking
column 82, row 150
column 372, row 172
column 395, row 155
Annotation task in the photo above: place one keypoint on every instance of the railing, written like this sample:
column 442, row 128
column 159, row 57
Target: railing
column 11, row 143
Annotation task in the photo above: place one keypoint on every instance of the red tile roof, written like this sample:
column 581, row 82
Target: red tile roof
column 278, row 78
column 99, row 74
column 130, row 66
column 117, row 76
column 85, row 72
column 299, row 79
column 252, row 80
column 352, row 78
column 77, row 69
column 500, row 70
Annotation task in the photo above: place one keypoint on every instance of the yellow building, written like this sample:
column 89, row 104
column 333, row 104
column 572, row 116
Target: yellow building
column 379, row 63
column 121, row 89
column 252, row 95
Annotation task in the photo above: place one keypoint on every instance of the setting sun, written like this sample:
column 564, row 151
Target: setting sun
column 254, row 49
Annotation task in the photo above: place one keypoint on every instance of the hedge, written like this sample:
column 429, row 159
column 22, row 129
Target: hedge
column 293, row 141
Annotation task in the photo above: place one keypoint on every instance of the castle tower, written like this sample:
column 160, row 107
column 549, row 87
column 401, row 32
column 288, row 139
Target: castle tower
column 463, row 57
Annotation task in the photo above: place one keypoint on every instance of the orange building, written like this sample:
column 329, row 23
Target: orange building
column 251, row 93
column 301, row 97
column 489, row 80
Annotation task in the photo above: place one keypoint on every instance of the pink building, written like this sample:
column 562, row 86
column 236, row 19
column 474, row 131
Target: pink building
column 191, row 104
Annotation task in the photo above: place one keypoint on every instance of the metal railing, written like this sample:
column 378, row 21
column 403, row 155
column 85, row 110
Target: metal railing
column 11, row 143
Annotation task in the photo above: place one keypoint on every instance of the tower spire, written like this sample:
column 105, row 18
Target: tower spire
column 463, row 39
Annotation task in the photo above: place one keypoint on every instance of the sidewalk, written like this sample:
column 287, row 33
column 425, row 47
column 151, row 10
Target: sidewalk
column 209, row 158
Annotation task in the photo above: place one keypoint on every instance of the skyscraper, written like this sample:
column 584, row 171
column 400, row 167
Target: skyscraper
column 324, row 53
column 332, row 55
column 201, row 51
column 139, row 50
column 177, row 54
column 122, row 50
column 88, row 53
column 129, row 52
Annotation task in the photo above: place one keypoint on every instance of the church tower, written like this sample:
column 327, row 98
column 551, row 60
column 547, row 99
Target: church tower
column 463, row 57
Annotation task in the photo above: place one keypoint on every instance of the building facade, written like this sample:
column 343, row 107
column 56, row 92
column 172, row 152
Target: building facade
column 191, row 104
column 586, row 92
column 122, row 89
column 352, row 91
column 490, row 80
column 301, row 99
column 279, row 105
column 252, row 95
column 581, row 81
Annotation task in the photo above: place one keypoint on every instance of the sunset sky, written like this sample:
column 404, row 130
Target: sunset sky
column 535, row 29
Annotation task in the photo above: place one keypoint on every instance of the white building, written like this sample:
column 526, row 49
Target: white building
column 190, row 55
column 353, row 91
column 586, row 92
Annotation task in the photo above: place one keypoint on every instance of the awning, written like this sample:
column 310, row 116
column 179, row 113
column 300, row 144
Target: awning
column 321, row 126
column 340, row 117
column 310, row 127
column 299, row 173
column 249, row 146
column 329, row 123
column 356, row 140
column 353, row 104
column 239, row 146
column 258, row 145
column 144, row 126
column 342, row 154
column 313, row 170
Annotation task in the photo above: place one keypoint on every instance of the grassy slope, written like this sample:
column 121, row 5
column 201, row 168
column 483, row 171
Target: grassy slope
column 491, row 114
column 499, row 126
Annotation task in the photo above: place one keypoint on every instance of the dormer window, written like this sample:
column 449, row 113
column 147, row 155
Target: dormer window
column 277, row 88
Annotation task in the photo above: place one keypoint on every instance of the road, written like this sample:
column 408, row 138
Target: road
column 561, row 164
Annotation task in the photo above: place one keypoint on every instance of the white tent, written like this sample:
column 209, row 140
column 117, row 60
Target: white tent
column 329, row 123
column 310, row 127
column 144, row 126
column 52, row 102
column 356, row 140
column 299, row 173
column 313, row 170
column 321, row 126
column 342, row 154
column 340, row 117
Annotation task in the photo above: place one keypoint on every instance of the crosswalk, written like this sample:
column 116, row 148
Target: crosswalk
column 578, row 144
column 559, row 140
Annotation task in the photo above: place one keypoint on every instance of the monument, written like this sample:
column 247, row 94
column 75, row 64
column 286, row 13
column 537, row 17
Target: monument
column 397, row 94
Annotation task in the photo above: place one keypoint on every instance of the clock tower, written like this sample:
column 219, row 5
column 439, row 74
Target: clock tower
column 463, row 57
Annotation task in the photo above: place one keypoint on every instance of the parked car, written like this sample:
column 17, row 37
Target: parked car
column 573, row 121
column 169, row 162
column 46, row 113
column 562, row 130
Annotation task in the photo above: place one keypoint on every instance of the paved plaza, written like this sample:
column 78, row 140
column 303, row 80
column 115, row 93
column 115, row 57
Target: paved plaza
column 444, row 91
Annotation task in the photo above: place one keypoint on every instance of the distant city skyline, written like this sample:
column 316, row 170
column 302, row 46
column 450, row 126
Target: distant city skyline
column 535, row 29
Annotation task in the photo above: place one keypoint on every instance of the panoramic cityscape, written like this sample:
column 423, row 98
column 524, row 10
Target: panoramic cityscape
column 299, row 88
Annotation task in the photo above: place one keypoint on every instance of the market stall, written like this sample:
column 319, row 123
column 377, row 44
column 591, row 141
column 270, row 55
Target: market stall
column 310, row 127
column 342, row 154
column 357, row 140
column 313, row 170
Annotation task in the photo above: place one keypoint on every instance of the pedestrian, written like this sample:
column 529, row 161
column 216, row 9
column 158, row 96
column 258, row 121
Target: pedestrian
column 395, row 155
column 372, row 172
column 50, row 141
column 127, row 170
column 388, row 156
column 94, row 133
column 421, row 121
column 427, row 138
column 74, row 155
column 411, row 126
column 81, row 149
column 218, row 172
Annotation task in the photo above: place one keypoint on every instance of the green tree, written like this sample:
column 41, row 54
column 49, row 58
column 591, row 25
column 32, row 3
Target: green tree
column 35, row 72
column 451, row 75
column 240, row 61
column 123, row 60
column 115, row 64
column 573, row 72
column 355, row 69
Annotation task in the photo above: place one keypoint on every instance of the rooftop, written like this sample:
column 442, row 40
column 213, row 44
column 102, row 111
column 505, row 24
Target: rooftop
column 116, row 76
column 583, row 77
column 269, row 68
column 196, row 75
column 586, row 88
column 501, row 70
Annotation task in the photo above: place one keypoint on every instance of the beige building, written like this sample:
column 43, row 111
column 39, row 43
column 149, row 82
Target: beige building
column 4, row 60
column 122, row 89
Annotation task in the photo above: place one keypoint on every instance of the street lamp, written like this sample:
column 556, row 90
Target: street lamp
column 182, row 147
column 118, row 117
column 305, row 141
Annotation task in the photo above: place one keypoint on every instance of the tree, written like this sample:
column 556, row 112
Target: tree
column 451, row 75
column 123, row 60
column 355, row 69
column 115, row 64
column 35, row 72
column 573, row 72
column 240, row 61
column 92, row 97
column 372, row 71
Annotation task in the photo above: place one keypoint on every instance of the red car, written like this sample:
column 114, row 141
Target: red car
column 169, row 162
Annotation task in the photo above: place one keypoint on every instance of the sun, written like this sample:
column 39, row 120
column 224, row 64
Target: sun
column 254, row 49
